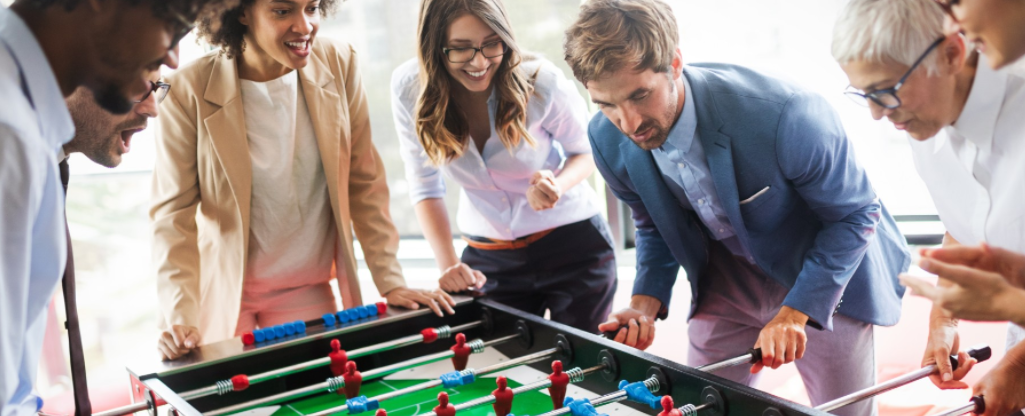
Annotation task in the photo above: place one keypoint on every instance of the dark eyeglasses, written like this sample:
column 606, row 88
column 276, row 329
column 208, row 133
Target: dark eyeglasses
column 158, row 88
column 948, row 7
column 887, row 98
column 463, row 55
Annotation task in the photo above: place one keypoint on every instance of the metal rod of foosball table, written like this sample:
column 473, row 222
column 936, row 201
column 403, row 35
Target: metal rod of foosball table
column 576, row 375
column 515, row 362
column 753, row 355
column 124, row 410
column 526, row 359
column 337, row 382
column 616, row 396
column 981, row 353
column 223, row 387
column 692, row 410
column 976, row 405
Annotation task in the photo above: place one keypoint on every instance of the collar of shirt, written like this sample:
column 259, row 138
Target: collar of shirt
column 681, row 135
column 61, row 155
column 55, row 124
column 979, row 116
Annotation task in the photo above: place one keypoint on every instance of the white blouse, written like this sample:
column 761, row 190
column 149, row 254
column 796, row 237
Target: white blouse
column 975, row 169
column 292, row 231
column 493, row 200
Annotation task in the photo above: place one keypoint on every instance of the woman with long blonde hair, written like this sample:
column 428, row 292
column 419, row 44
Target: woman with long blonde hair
column 512, row 132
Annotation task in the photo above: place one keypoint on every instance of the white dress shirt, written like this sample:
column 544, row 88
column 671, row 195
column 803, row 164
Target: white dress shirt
column 34, row 124
column 291, row 233
column 975, row 169
column 493, row 201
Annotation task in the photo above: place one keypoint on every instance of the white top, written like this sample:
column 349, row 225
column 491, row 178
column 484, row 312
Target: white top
column 975, row 169
column 34, row 124
column 493, row 202
column 292, row 232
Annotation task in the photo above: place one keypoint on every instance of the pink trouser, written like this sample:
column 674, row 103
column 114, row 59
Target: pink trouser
column 263, row 308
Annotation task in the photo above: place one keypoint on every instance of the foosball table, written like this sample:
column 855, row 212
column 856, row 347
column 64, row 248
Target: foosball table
column 485, row 359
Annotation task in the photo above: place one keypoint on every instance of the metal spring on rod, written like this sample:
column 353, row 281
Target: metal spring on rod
column 444, row 331
column 335, row 383
column 477, row 346
column 224, row 387
column 689, row 410
column 575, row 374
column 652, row 384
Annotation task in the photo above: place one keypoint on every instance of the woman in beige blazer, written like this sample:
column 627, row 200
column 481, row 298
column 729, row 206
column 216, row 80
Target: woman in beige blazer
column 264, row 170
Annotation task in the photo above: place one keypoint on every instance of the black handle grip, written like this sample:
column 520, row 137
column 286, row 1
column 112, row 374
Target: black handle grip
column 980, row 403
column 980, row 353
column 611, row 334
column 756, row 355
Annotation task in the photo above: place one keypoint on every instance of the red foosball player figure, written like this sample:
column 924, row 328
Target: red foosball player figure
column 381, row 412
column 338, row 358
column 444, row 408
column 353, row 380
column 559, row 382
column 668, row 408
column 503, row 397
column 460, row 352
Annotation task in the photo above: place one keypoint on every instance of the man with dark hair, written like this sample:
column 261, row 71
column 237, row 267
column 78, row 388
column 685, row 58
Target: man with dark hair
column 749, row 184
column 48, row 49
column 104, row 137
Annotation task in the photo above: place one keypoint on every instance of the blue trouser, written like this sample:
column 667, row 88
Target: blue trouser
column 571, row 273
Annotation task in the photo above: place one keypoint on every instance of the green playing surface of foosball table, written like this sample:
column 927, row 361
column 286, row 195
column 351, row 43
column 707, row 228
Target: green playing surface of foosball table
column 526, row 403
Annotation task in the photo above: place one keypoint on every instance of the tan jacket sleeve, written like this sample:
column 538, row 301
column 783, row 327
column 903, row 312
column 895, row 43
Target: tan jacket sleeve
column 173, row 214
column 368, row 189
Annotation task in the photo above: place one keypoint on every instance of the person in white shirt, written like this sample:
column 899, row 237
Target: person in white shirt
column 993, row 26
column 47, row 50
column 265, row 169
column 511, row 131
column 968, row 144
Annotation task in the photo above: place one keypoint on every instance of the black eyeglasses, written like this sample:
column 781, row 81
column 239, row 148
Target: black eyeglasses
column 158, row 88
column 464, row 55
column 887, row 98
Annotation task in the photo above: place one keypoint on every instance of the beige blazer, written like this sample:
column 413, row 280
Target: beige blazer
column 202, row 184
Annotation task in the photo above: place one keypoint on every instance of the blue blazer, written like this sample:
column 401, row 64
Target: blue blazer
column 819, row 230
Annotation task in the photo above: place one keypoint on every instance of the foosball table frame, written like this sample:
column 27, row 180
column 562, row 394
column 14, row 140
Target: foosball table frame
column 159, row 384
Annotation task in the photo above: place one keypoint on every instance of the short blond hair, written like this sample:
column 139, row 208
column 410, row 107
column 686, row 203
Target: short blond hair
column 612, row 34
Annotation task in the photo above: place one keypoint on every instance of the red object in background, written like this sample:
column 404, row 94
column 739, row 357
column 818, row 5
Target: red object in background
column 430, row 335
column 240, row 382
column 503, row 397
column 338, row 358
column 559, row 382
column 381, row 307
column 248, row 338
column 444, row 408
column 668, row 408
column 353, row 380
column 381, row 412
column 460, row 352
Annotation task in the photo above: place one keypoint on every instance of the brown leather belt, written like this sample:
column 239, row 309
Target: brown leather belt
column 493, row 244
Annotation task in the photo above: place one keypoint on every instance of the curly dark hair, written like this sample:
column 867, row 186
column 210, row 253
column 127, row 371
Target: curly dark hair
column 226, row 32
column 183, row 12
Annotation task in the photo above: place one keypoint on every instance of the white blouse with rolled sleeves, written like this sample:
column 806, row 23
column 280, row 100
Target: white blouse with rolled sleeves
column 493, row 201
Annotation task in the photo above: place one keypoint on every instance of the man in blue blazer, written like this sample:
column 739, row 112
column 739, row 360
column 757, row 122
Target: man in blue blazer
column 750, row 185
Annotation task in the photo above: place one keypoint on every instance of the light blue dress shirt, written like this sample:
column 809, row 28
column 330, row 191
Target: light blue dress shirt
column 681, row 160
column 34, row 124
column 493, row 201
